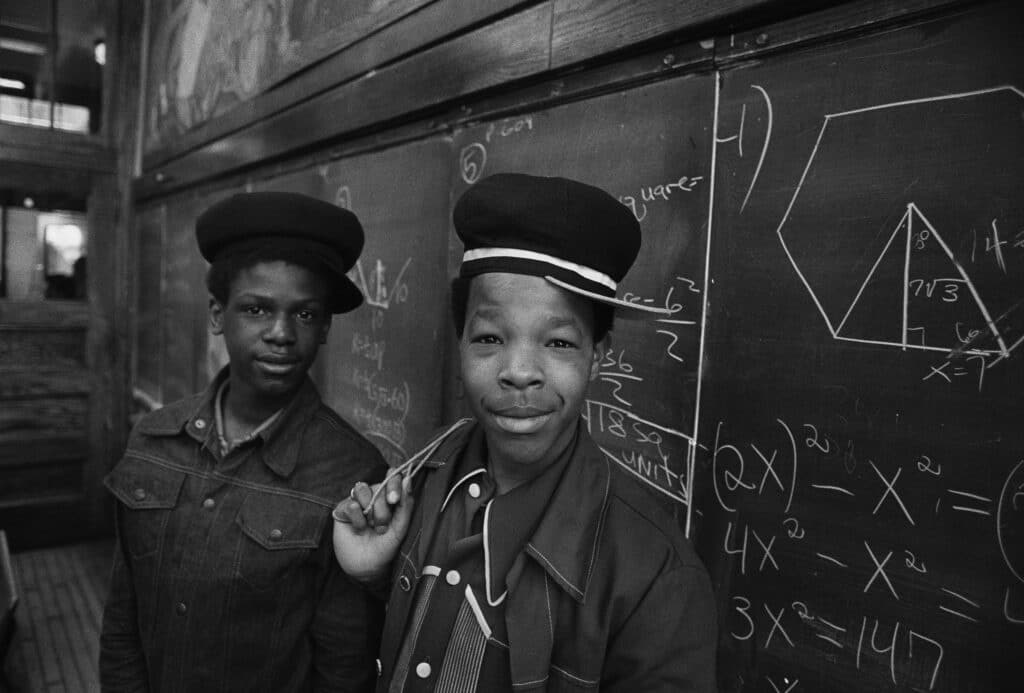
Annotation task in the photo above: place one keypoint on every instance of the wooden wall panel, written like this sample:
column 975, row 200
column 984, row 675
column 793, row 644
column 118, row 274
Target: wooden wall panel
column 584, row 29
column 148, row 335
column 181, row 315
column 206, row 58
column 426, row 26
column 42, row 347
column 512, row 48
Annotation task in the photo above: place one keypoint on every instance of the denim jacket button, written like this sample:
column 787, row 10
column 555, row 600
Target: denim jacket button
column 209, row 503
column 200, row 424
column 423, row 670
column 403, row 582
column 453, row 577
column 275, row 534
column 181, row 608
column 140, row 494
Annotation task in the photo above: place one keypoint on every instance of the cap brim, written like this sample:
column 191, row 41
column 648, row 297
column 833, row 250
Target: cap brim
column 348, row 297
column 627, row 310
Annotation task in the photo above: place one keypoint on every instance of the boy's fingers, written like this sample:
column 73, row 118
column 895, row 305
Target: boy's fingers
column 403, row 511
column 362, row 493
column 394, row 488
column 380, row 514
column 350, row 512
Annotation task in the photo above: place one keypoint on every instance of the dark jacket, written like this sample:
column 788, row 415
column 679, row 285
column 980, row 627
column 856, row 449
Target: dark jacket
column 224, row 575
column 607, row 595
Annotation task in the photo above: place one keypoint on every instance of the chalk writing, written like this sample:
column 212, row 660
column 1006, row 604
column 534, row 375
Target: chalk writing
column 662, row 192
column 472, row 161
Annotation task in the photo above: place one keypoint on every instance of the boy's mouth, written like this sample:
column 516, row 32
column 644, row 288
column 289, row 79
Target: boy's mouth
column 515, row 424
column 521, row 420
column 276, row 365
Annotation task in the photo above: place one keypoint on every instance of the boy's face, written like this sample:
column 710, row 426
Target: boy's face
column 274, row 322
column 527, row 358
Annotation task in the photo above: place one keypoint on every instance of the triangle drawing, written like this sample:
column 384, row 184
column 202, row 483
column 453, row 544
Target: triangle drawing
column 918, row 296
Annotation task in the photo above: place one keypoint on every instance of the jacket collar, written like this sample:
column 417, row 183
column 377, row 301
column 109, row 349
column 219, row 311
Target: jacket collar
column 566, row 540
column 195, row 416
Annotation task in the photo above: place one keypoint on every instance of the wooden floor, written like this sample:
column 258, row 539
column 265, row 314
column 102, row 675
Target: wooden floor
column 56, row 644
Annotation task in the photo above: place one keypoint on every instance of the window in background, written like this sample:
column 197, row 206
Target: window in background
column 44, row 254
column 52, row 57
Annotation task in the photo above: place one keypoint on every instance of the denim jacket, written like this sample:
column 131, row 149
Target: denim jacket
column 607, row 595
column 224, row 576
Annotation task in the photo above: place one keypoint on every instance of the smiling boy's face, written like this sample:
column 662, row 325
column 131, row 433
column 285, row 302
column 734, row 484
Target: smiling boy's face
column 527, row 355
column 273, row 323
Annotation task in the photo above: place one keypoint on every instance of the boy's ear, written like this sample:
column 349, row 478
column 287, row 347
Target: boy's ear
column 600, row 349
column 216, row 316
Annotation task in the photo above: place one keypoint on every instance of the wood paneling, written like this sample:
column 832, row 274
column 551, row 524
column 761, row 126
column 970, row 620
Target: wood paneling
column 181, row 312
column 830, row 22
column 25, row 419
column 41, row 347
column 507, row 50
column 59, row 446
column 425, row 26
column 148, row 336
column 584, row 29
column 54, row 148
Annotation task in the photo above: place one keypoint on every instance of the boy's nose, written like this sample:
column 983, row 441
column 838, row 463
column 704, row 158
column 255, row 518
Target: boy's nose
column 521, row 369
column 281, row 330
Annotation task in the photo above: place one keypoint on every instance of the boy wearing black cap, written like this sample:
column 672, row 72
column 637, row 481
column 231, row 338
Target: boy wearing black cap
column 224, row 578
column 530, row 561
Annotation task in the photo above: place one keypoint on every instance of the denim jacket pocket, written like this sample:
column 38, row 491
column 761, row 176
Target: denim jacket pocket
column 147, row 493
column 279, row 534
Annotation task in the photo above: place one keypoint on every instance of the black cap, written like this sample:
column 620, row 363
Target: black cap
column 290, row 221
column 576, row 236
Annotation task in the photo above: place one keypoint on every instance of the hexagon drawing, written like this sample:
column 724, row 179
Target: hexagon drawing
column 920, row 203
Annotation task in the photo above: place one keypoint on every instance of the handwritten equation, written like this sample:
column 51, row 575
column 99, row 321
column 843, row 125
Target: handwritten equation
column 793, row 470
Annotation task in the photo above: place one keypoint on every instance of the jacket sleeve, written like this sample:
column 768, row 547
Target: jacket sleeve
column 122, row 666
column 346, row 633
column 669, row 641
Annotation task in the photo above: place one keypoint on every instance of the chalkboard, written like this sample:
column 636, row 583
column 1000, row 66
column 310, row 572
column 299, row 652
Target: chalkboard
column 650, row 147
column 384, row 364
column 861, row 476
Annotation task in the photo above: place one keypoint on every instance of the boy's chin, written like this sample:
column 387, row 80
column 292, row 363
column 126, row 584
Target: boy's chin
column 522, row 450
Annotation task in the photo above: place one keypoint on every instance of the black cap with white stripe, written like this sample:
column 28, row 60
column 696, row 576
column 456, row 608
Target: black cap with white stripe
column 576, row 236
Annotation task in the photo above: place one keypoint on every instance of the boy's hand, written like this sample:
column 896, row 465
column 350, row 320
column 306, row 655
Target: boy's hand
column 368, row 530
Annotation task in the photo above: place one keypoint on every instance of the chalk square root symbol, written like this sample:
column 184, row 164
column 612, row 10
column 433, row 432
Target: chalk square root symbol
column 907, row 193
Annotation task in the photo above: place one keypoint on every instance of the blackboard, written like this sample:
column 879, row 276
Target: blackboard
column 861, row 476
column 384, row 363
column 840, row 232
column 650, row 147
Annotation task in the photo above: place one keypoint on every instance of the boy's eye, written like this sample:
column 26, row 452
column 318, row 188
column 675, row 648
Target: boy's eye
column 562, row 344
column 252, row 309
column 486, row 339
column 307, row 315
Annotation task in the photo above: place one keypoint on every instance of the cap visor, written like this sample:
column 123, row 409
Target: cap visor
column 348, row 296
column 627, row 310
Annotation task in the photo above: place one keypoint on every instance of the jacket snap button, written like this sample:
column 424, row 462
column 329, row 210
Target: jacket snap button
column 139, row 493
column 474, row 490
column 423, row 670
column 453, row 577
column 208, row 503
column 200, row 424
column 275, row 534
column 181, row 608
column 403, row 582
